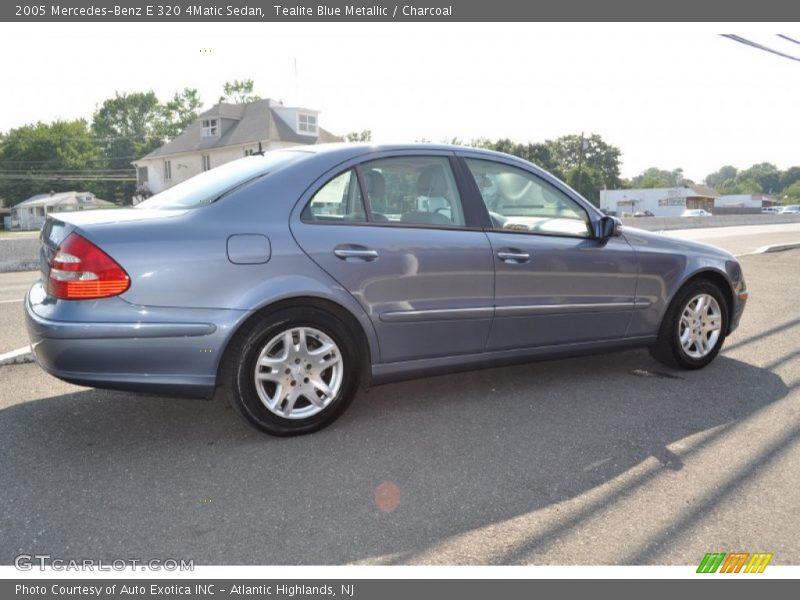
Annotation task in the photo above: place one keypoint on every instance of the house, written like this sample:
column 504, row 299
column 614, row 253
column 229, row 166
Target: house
column 661, row 202
column 31, row 213
column 224, row 133
column 731, row 204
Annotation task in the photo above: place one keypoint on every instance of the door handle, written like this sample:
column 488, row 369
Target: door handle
column 362, row 253
column 513, row 256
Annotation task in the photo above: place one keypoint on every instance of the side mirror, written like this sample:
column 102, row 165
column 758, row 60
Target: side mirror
column 608, row 227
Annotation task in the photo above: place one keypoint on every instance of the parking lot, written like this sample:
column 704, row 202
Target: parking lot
column 610, row 459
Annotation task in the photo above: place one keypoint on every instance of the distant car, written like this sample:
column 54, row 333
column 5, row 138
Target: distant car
column 695, row 212
column 643, row 213
column 295, row 278
column 791, row 209
column 771, row 210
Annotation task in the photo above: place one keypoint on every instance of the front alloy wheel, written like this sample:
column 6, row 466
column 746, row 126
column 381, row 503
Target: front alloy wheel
column 700, row 325
column 694, row 326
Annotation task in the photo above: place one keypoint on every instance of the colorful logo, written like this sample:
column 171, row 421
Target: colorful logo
column 734, row 562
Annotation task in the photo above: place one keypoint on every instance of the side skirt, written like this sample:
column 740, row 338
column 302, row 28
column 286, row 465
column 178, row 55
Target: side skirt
column 427, row 367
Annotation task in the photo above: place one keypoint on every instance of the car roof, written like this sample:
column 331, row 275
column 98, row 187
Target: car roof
column 346, row 150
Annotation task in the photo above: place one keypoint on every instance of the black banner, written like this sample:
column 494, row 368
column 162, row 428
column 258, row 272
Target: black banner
column 416, row 11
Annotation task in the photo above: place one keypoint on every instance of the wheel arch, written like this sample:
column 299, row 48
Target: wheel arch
column 364, row 346
column 711, row 275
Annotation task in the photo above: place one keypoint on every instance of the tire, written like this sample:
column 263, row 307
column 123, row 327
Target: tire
column 690, row 352
column 285, row 388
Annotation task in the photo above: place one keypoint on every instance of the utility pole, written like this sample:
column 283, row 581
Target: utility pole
column 580, row 164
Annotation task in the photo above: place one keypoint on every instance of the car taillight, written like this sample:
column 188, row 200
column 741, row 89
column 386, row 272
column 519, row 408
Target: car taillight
column 80, row 270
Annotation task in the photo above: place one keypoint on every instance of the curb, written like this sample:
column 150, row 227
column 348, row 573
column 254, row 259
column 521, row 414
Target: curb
column 773, row 248
column 20, row 356
column 778, row 247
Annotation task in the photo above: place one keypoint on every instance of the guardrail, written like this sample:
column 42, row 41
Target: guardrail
column 662, row 223
column 19, row 253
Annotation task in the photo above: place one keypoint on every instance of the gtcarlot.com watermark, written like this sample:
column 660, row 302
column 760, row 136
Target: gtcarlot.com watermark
column 42, row 562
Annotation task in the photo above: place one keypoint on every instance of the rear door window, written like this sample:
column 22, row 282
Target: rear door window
column 338, row 201
column 413, row 190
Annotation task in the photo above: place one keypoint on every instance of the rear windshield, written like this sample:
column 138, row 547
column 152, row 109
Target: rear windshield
column 209, row 186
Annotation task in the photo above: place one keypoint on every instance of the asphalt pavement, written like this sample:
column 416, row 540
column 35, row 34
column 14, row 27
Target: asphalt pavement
column 12, row 322
column 611, row 459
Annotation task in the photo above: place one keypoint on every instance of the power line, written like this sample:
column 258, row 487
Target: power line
column 746, row 42
column 786, row 37
column 98, row 159
column 16, row 137
column 67, row 171
column 65, row 177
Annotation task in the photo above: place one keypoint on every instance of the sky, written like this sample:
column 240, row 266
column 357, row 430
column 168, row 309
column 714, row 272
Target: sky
column 668, row 95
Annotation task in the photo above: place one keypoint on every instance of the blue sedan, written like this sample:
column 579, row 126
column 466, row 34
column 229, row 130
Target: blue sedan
column 295, row 278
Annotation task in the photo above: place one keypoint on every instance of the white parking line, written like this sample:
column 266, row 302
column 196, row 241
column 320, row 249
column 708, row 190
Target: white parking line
column 10, row 301
column 17, row 357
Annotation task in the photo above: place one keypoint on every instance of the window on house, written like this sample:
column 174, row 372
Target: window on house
column 167, row 170
column 206, row 162
column 141, row 174
column 210, row 127
column 306, row 123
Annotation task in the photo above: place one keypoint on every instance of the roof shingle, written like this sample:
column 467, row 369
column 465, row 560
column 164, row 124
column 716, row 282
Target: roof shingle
column 253, row 122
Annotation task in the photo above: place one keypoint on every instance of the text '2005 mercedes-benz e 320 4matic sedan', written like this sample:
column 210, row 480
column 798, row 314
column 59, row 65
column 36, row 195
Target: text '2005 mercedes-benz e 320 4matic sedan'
column 293, row 278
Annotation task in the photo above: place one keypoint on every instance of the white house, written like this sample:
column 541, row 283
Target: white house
column 31, row 213
column 661, row 202
column 224, row 133
column 743, row 203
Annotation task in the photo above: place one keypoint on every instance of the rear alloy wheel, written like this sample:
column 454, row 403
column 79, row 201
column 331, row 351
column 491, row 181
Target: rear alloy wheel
column 298, row 373
column 295, row 372
column 694, row 327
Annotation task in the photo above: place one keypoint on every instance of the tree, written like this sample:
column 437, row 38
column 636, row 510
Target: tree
column 540, row 154
column 721, row 177
column 766, row 176
column 130, row 125
column 33, row 156
column 658, row 178
column 789, row 177
column 359, row 136
column 599, row 161
column 587, row 182
column 597, row 154
column 179, row 113
column 239, row 92
column 791, row 194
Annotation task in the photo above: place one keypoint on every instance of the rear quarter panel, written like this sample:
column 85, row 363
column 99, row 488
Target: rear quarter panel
column 182, row 260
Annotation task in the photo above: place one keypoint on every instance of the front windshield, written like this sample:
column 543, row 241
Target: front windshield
column 208, row 186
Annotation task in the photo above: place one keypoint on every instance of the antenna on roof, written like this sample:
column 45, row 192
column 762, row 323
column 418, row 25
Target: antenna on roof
column 260, row 150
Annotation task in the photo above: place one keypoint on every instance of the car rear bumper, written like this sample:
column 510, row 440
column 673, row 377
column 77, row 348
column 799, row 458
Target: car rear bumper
column 116, row 345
